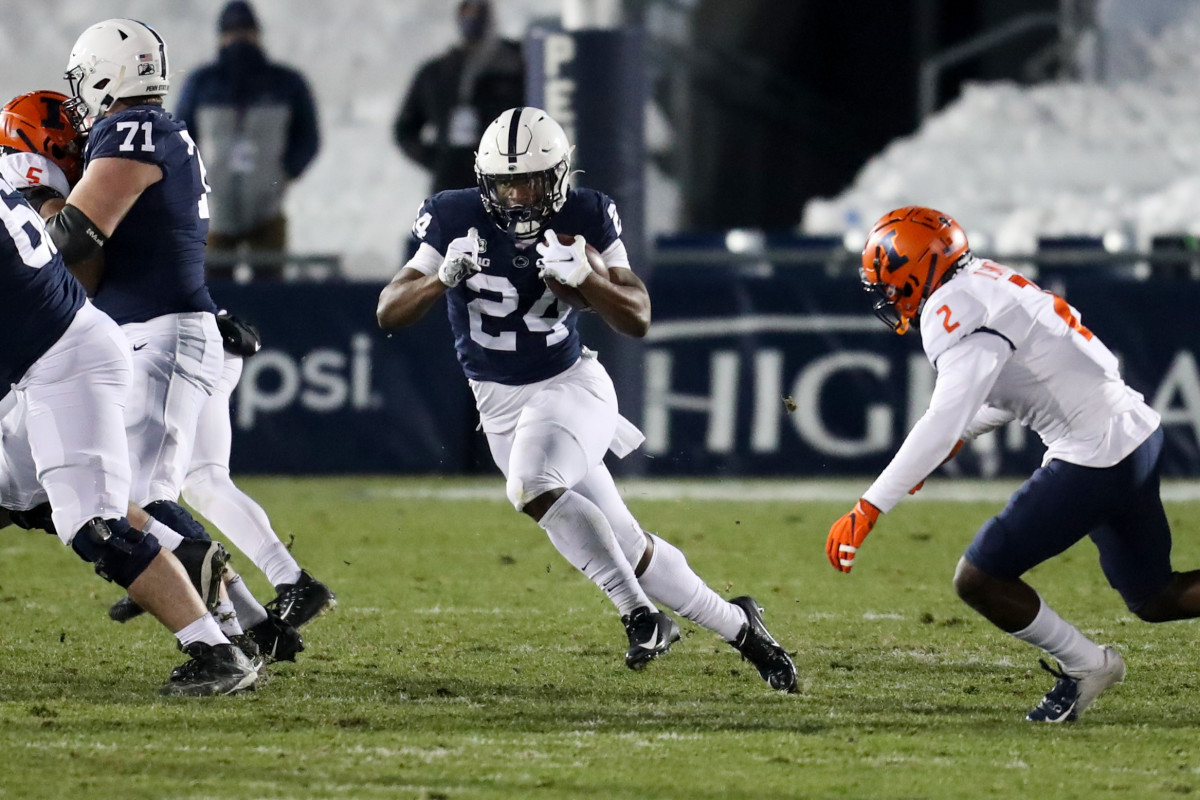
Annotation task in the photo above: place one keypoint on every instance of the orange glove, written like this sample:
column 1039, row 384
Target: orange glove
column 847, row 534
column 958, row 446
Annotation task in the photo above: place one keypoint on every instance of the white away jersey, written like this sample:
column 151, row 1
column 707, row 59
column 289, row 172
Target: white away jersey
column 1004, row 349
column 23, row 170
column 1061, row 380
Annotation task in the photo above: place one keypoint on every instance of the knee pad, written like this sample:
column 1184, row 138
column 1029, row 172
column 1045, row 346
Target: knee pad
column 119, row 552
column 177, row 518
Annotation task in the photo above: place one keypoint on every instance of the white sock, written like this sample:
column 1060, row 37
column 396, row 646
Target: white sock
column 227, row 618
column 168, row 538
column 1075, row 652
column 204, row 630
column 669, row 580
column 243, row 521
column 578, row 530
column 250, row 612
column 277, row 564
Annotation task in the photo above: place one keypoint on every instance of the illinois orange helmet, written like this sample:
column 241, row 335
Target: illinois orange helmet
column 910, row 252
column 35, row 122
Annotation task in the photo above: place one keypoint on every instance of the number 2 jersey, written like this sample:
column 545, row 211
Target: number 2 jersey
column 1004, row 350
column 154, row 261
column 38, row 297
column 508, row 327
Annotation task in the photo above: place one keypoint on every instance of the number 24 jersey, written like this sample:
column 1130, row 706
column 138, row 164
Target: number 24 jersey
column 508, row 327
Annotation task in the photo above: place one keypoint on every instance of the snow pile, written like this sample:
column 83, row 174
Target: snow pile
column 1013, row 163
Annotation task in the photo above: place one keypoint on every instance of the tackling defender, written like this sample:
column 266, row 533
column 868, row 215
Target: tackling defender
column 1006, row 350
column 547, row 406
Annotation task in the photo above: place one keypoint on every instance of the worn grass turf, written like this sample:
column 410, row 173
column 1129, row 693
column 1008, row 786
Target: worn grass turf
column 468, row 660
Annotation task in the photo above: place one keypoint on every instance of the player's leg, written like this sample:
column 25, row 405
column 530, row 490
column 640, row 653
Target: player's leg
column 1135, row 545
column 1059, row 505
column 210, row 490
column 72, row 404
column 663, row 571
column 562, row 431
column 177, row 362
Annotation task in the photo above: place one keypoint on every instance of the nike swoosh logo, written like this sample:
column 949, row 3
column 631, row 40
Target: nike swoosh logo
column 653, row 640
column 137, row 347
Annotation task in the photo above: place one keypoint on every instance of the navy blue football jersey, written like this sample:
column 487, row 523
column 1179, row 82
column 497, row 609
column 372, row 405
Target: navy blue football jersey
column 38, row 297
column 154, row 261
column 508, row 326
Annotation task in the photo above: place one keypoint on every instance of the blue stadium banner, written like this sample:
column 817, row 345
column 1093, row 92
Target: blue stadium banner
column 758, row 371
column 330, row 392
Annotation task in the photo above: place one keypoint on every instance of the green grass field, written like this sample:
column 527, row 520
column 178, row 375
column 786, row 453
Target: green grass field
column 468, row 660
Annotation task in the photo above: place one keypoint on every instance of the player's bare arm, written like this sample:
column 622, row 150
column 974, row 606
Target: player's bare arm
column 109, row 187
column 622, row 300
column 97, row 204
column 407, row 298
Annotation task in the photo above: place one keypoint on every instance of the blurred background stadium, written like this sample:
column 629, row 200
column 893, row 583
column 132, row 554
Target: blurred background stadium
column 749, row 145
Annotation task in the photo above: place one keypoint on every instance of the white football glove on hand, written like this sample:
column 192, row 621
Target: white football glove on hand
column 461, row 261
column 566, row 263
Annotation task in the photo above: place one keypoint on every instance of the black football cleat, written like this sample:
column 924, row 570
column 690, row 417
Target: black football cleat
column 245, row 642
column 213, row 669
column 276, row 640
column 124, row 610
column 651, row 633
column 297, row 603
column 758, row 647
column 204, row 561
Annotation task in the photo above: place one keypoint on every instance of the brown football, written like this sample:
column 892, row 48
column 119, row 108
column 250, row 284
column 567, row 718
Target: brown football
column 569, row 294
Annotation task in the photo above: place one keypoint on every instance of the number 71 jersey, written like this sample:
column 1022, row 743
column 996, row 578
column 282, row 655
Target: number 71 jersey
column 1060, row 380
column 508, row 326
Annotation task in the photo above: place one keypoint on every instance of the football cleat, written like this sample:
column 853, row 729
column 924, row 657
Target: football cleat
column 245, row 642
column 276, row 640
column 1074, row 693
column 651, row 633
column 213, row 669
column 758, row 647
column 204, row 561
column 124, row 610
column 297, row 603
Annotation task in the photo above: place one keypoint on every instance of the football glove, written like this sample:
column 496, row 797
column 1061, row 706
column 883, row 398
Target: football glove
column 239, row 337
column 461, row 261
column 37, row 518
column 566, row 263
column 847, row 534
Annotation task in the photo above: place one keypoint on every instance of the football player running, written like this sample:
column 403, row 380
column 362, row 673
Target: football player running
column 546, row 405
column 69, row 370
column 1006, row 350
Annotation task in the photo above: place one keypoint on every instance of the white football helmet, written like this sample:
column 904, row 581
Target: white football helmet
column 523, row 167
column 114, row 59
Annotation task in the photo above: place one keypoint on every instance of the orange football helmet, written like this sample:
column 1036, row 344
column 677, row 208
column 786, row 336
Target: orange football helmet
column 910, row 252
column 35, row 122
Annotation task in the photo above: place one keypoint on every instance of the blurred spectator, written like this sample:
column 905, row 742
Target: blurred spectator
column 256, row 123
column 456, row 94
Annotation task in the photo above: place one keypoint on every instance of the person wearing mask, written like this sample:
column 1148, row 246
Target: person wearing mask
column 455, row 94
column 256, row 122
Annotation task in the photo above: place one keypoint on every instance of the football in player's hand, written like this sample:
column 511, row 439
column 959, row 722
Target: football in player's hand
column 569, row 294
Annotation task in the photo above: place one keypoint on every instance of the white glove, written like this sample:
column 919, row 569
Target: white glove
column 566, row 263
column 461, row 261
